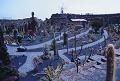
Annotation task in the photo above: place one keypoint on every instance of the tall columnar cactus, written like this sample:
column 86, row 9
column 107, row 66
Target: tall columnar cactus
column 110, row 63
column 54, row 46
column 65, row 38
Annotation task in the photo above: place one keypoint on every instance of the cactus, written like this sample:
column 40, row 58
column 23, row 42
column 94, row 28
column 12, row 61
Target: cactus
column 110, row 76
column 7, row 72
column 65, row 38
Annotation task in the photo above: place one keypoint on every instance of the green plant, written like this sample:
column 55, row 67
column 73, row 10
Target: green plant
column 96, row 24
column 6, row 70
column 52, row 74
column 4, row 56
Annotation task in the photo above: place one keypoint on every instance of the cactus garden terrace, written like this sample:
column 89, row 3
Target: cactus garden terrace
column 50, row 55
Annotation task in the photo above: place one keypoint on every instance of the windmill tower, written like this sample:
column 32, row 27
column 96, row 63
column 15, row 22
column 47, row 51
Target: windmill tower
column 62, row 10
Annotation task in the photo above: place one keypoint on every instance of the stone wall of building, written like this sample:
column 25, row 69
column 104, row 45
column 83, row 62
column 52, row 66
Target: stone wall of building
column 64, row 19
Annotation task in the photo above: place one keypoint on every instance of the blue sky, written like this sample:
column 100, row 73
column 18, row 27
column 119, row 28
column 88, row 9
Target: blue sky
column 17, row 9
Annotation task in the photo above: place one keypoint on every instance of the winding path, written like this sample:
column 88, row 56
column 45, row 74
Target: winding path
column 61, row 52
column 50, row 41
column 28, row 65
column 77, row 36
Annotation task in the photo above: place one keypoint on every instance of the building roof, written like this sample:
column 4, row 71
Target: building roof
column 81, row 20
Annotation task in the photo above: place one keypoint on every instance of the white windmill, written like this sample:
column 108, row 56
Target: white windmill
column 62, row 9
